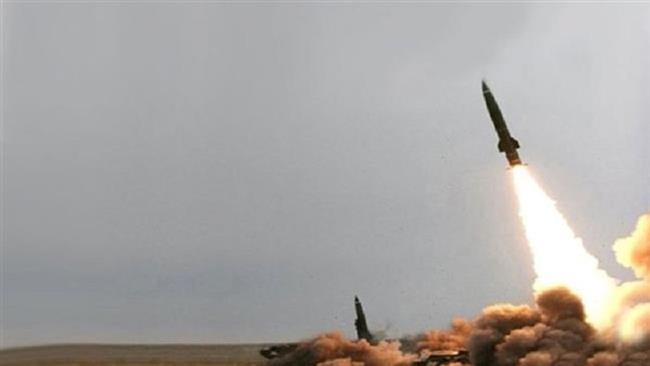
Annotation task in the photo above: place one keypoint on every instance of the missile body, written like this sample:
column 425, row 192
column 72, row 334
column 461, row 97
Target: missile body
column 507, row 144
column 360, row 322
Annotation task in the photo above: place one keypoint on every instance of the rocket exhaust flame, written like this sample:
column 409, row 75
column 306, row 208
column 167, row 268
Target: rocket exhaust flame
column 559, row 257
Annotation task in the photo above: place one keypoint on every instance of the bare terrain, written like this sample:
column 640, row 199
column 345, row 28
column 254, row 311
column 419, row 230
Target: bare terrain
column 132, row 355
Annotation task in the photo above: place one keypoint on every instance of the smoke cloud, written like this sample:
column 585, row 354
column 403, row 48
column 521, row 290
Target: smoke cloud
column 634, row 251
column 333, row 349
column 455, row 338
column 553, row 332
column 631, row 305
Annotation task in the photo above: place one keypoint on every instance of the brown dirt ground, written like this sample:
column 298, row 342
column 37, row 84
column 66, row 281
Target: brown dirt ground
column 134, row 355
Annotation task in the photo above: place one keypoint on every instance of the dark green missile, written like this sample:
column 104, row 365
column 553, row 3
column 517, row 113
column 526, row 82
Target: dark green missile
column 507, row 144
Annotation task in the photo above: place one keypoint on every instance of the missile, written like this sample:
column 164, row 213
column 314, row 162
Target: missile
column 507, row 144
column 360, row 322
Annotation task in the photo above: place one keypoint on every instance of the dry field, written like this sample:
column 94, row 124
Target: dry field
column 134, row 355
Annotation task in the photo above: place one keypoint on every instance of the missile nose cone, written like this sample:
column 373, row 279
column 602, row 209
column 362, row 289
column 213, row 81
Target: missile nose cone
column 484, row 86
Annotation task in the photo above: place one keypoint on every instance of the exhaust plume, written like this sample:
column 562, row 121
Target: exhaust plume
column 559, row 258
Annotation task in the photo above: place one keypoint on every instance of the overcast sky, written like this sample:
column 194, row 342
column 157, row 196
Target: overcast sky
column 214, row 172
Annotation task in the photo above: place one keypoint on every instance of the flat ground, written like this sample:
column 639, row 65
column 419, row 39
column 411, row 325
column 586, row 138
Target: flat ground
column 133, row 355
